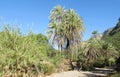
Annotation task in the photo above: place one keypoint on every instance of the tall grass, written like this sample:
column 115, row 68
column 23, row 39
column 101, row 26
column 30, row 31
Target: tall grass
column 22, row 56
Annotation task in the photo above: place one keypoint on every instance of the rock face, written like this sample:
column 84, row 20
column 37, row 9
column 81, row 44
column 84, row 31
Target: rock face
column 112, row 31
column 112, row 35
column 115, row 29
column 107, row 32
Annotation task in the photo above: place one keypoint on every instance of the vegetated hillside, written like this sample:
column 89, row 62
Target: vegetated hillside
column 113, row 35
column 106, row 33
column 115, row 30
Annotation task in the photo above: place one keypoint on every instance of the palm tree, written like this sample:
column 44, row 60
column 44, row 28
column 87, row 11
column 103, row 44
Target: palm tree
column 65, row 28
column 54, row 32
column 95, row 49
column 74, row 29
column 108, row 51
column 95, row 33
column 92, row 50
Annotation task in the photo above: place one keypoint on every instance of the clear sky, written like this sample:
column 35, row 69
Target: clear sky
column 34, row 14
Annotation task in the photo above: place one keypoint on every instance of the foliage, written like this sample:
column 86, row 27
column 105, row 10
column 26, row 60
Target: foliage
column 95, row 32
column 23, row 55
column 115, row 40
column 113, row 36
column 97, row 53
column 65, row 30
column 92, row 50
column 30, row 55
column 109, row 53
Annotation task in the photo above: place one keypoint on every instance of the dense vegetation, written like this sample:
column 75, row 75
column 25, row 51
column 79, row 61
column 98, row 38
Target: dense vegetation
column 25, row 55
column 112, row 35
column 65, row 30
column 32, row 55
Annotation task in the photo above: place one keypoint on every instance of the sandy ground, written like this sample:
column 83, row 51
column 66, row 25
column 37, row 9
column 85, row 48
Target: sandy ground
column 73, row 74
column 101, row 72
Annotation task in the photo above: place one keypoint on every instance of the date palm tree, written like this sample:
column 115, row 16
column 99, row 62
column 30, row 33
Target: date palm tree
column 108, row 51
column 54, row 30
column 65, row 30
column 92, row 50
column 74, row 29
column 95, row 49
column 65, row 27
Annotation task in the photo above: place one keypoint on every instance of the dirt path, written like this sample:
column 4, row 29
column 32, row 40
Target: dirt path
column 68, row 74
column 73, row 74
column 100, row 72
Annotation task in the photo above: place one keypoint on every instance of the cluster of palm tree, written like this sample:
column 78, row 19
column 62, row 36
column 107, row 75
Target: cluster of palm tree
column 65, row 29
column 97, row 50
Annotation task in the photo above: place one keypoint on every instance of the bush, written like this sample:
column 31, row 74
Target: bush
column 111, row 61
column 22, row 55
column 46, row 67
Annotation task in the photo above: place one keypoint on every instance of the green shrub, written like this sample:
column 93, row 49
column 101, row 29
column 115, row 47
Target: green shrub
column 47, row 67
column 111, row 61
column 22, row 55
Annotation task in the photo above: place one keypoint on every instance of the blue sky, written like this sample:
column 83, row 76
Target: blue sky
column 34, row 14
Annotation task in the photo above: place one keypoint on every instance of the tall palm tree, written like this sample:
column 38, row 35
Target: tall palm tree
column 54, row 32
column 65, row 27
column 74, row 29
